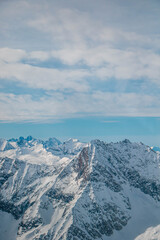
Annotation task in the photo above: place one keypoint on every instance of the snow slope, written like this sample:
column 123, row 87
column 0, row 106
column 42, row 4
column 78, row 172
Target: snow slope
column 8, row 226
column 72, row 191
column 152, row 233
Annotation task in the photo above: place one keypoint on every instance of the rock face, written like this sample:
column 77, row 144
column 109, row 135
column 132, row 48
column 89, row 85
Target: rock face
column 73, row 191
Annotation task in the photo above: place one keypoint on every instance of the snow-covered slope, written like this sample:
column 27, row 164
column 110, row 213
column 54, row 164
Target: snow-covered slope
column 72, row 146
column 74, row 191
column 152, row 233
column 5, row 145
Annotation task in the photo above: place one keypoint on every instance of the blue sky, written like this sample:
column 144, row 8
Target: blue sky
column 141, row 129
column 85, row 69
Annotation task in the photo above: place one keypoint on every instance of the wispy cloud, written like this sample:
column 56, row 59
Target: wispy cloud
column 57, row 106
column 109, row 63
column 45, row 78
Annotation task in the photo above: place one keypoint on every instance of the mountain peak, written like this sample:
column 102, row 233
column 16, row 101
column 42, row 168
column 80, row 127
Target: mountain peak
column 72, row 140
column 126, row 141
column 29, row 138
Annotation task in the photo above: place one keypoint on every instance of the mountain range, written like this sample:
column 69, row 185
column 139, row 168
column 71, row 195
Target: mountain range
column 78, row 191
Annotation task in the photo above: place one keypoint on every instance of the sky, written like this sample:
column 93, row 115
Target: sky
column 84, row 69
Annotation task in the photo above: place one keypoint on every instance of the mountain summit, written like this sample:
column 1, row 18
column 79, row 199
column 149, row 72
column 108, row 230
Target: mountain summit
column 76, row 191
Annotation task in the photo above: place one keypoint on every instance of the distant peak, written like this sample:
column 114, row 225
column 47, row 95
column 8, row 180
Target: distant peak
column 54, row 140
column 21, row 138
column 72, row 140
column 97, row 141
column 13, row 140
column 126, row 141
column 29, row 138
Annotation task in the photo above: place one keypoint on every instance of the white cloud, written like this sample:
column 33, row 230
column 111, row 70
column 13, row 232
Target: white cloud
column 115, row 52
column 11, row 55
column 101, row 62
column 77, row 27
column 120, row 64
column 58, row 106
column 45, row 78
column 39, row 55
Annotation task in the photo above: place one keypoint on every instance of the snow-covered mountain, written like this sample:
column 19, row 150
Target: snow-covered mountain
column 72, row 191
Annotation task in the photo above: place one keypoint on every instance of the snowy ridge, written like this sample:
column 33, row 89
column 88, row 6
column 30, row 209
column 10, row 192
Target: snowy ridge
column 5, row 145
column 74, row 191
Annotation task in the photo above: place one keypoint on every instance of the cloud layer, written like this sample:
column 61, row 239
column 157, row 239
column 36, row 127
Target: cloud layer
column 84, row 59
